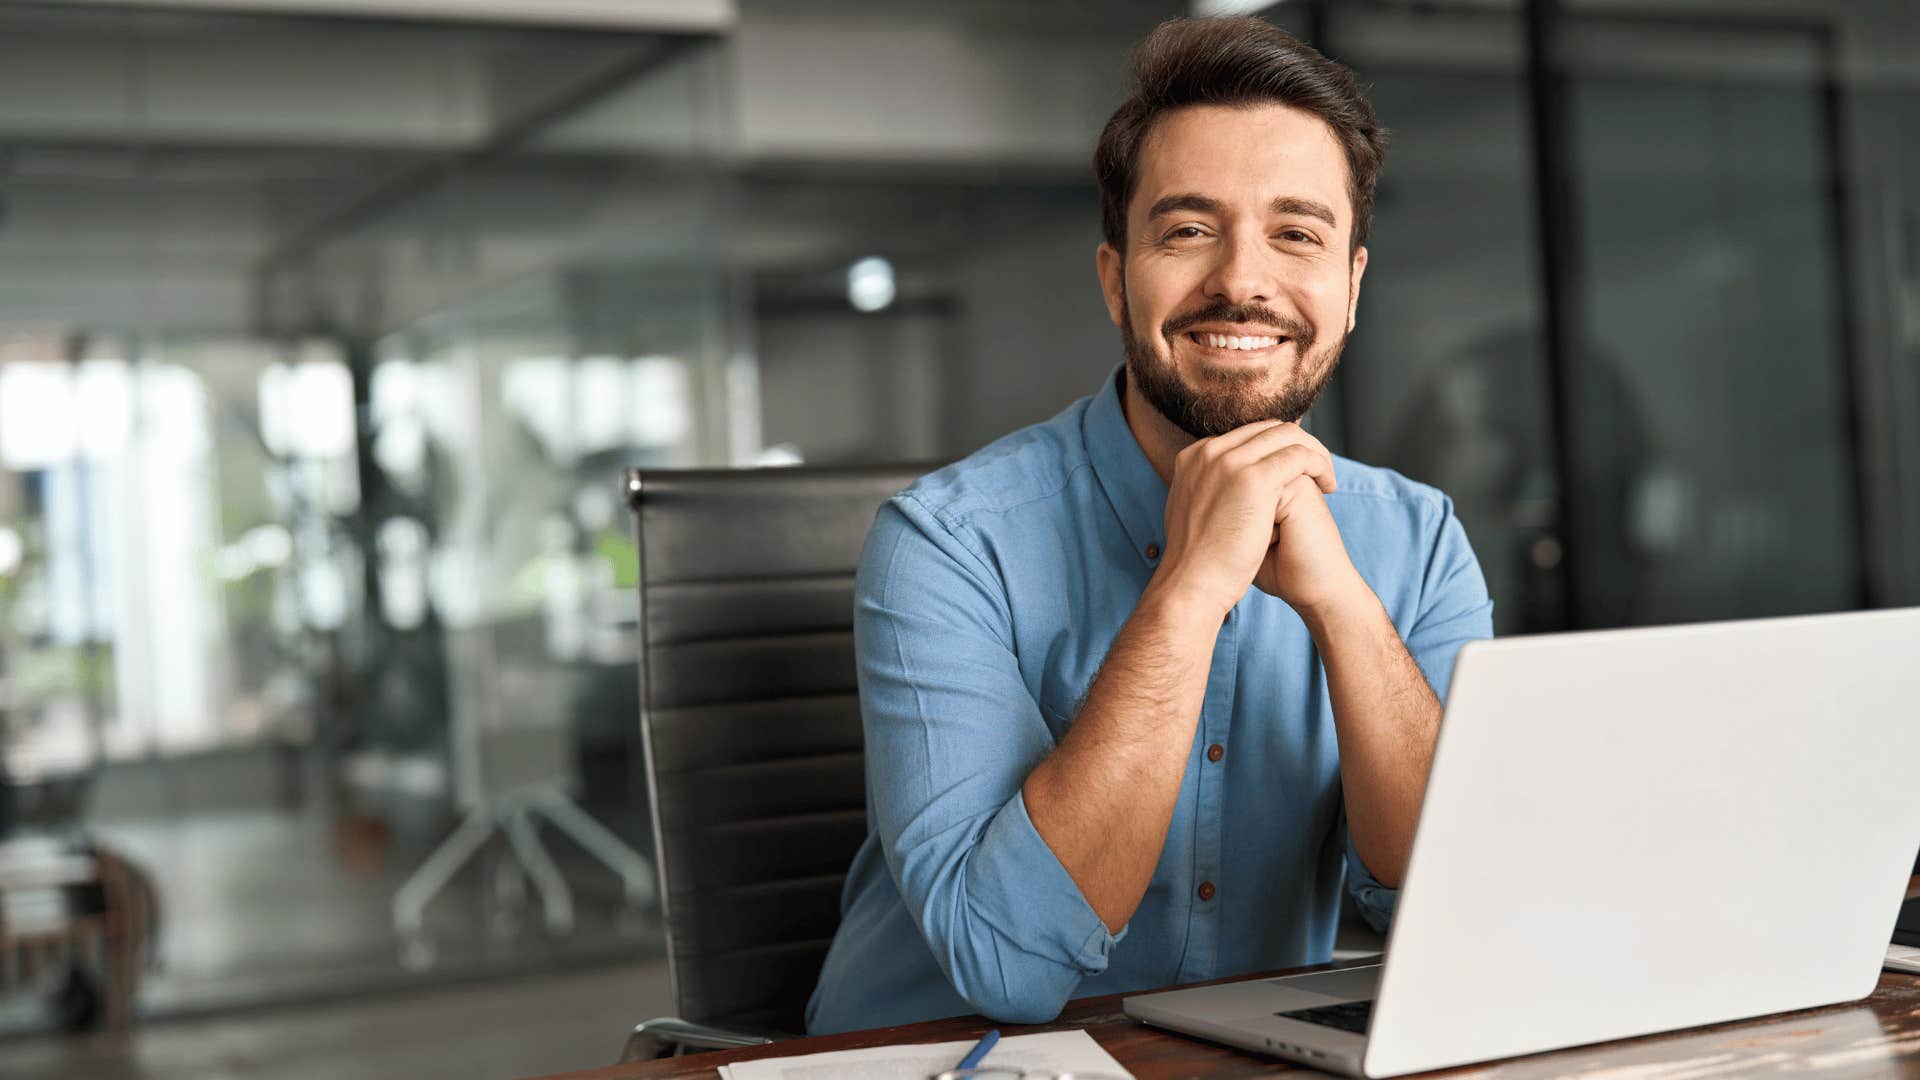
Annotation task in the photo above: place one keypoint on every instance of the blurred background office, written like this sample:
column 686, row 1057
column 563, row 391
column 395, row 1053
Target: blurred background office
column 327, row 325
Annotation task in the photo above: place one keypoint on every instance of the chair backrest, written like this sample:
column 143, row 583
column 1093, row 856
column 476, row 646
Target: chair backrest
column 750, row 719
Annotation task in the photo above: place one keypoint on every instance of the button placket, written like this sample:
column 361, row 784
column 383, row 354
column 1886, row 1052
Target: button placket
column 1203, row 946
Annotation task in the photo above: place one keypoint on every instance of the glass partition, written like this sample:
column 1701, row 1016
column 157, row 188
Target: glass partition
column 1716, row 426
column 314, row 392
column 1445, row 375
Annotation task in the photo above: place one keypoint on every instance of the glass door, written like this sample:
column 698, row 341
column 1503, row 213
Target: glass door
column 1708, row 384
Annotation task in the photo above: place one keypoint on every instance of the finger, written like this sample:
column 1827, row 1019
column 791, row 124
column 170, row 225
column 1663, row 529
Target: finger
column 1273, row 435
column 1274, row 440
column 1293, row 494
column 1302, row 486
column 1317, row 444
column 1295, row 463
column 1301, row 462
column 1308, row 437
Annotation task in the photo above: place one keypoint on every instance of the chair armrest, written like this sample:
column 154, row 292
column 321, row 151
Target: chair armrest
column 668, row 1035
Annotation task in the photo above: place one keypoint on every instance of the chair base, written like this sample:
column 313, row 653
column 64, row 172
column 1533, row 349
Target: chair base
column 669, row 1036
column 514, row 816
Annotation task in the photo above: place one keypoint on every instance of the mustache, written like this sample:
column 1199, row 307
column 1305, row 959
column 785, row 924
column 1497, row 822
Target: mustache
column 1221, row 311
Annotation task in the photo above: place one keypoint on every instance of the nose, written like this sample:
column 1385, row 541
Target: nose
column 1244, row 271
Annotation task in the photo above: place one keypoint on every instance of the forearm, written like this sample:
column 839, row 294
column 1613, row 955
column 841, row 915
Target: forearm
column 1387, row 719
column 1104, row 798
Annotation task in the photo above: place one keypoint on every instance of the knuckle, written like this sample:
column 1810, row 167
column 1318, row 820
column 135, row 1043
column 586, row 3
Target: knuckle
column 1240, row 457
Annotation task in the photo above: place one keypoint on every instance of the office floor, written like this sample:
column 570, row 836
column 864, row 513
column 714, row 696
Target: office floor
column 277, row 956
column 275, row 882
column 263, row 906
column 501, row 1028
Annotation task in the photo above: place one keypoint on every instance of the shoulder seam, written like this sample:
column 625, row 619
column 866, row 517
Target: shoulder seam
column 1419, row 498
column 957, row 521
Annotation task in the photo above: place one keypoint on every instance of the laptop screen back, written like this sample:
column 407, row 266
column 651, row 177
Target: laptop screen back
column 1633, row 831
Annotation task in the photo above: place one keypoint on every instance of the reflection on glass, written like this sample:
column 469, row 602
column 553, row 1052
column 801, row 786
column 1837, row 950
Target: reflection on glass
column 1711, row 434
column 1444, row 378
column 312, row 408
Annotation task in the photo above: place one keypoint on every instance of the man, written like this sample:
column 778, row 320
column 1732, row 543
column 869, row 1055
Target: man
column 1143, row 684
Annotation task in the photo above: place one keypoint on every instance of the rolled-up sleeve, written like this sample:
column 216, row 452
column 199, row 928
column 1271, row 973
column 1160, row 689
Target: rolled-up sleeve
column 1374, row 900
column 1454, row 606
column 951, row 734
column 1454, row 609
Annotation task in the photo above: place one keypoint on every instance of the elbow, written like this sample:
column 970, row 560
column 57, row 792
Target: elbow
column 1381, row 922
column 1017, row 1005
column 1376, row 906
column 1012, row 986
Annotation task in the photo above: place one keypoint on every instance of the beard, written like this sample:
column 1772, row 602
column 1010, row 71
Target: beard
column 1231, row 397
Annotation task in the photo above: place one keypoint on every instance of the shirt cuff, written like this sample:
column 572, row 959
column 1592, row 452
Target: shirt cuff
column 1375, row 901
column 1032, row 899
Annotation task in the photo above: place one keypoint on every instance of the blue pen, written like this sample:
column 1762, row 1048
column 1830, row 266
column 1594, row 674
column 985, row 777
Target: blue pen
column 979, row 1049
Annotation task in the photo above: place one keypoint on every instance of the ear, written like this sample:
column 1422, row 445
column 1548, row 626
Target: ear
column 1358, row 271
column 1113, row 281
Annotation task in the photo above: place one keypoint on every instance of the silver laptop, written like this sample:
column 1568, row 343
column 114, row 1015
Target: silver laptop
column 1626, row 832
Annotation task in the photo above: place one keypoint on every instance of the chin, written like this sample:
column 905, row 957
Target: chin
column 1237, row 370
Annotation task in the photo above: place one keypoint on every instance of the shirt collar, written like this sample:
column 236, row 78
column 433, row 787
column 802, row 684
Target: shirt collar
column 1138, row 495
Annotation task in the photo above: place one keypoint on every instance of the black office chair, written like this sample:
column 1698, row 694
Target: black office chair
column 750, row 718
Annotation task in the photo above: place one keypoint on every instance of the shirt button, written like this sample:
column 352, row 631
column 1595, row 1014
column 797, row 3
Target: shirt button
column 1153, row 551
column 1206, row 890
column 1216, row 752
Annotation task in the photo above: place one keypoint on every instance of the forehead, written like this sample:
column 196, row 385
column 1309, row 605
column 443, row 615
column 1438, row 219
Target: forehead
column 1243, row 156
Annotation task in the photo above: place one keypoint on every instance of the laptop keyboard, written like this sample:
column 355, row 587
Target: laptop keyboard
column 1351, row 1016
column 1903, row 958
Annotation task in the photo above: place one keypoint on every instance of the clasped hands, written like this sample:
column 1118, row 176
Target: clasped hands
column 1250, row 506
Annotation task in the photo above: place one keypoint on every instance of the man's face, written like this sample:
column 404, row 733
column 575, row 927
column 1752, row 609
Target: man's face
column 1238, row 229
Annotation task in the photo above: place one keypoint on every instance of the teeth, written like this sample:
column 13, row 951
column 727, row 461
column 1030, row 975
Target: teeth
column 1227, row 341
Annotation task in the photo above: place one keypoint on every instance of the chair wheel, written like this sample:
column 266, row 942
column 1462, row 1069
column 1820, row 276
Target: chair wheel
column 633, row 921
column 417, row 953
column 507, row 921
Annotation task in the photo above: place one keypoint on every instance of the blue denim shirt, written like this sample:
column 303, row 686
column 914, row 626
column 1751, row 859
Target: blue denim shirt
column 988, row 593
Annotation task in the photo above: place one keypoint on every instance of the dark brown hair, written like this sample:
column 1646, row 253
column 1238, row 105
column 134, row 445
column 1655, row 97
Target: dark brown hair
column 1236, row 62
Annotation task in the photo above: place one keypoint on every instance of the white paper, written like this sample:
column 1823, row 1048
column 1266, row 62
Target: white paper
column 1053, row 1051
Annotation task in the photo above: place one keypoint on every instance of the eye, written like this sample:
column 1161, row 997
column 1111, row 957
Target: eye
column 1185, row 232
column 1298, row 236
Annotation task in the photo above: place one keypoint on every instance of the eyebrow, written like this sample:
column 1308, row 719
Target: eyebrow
column 1283, row 204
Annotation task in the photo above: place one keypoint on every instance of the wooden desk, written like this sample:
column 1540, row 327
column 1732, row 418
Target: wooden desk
column 1879, row 1036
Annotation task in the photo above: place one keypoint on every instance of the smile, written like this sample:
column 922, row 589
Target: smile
column 1230, row 343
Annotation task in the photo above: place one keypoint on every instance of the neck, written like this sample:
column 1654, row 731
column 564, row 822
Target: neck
column 1158, row 437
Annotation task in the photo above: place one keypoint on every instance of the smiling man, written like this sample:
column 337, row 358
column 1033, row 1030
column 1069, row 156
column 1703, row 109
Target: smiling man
column 1145, row 684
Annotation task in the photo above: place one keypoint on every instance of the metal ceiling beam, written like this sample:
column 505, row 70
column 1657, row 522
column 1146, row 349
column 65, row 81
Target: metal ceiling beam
column 659, row 16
